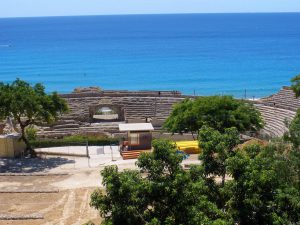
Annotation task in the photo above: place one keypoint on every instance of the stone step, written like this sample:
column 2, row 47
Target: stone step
column 60, row 122
column 73, row 125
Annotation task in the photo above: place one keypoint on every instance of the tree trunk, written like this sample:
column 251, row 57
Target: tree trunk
column 193, row 135
column 223, row 179
column 29, row 150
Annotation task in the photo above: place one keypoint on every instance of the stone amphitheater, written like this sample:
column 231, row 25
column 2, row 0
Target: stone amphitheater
column 129, row 106
column 154, row 106
column 276, row 110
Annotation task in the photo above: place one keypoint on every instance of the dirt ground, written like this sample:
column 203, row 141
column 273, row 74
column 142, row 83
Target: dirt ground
column 73, row 178
column 70, row 206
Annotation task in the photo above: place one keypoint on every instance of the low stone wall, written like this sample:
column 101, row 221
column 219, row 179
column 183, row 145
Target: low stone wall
column 11, row 146
column 121, row 93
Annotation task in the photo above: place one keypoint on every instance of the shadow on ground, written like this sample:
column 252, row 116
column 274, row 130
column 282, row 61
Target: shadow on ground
column 8, row 165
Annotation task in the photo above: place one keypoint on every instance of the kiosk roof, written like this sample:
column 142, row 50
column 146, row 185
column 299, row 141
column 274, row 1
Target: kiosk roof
column 136, row 127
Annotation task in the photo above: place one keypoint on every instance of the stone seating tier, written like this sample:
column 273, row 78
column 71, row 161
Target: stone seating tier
column 284, row 99
column 137, row 106
column 275, row 119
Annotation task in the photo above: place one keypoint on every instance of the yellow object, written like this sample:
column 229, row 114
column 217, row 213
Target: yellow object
column 11, row 146
column 189, row 147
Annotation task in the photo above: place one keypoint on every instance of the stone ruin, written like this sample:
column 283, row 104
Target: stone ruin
column 86, row 104
column 93, row 110
column 7, row 127
column 87, row 90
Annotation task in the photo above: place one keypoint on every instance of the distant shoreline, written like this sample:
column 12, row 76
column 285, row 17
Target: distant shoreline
column 145, row 14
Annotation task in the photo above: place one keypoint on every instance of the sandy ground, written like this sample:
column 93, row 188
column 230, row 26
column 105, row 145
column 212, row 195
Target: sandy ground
column 71, row 204
column 65, row 207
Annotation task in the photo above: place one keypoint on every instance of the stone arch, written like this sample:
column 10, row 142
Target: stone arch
column 106, row 112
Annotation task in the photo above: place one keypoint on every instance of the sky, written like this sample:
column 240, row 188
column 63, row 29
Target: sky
column 33, row 8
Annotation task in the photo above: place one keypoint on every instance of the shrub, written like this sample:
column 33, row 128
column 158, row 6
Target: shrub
column 31, row 133
column 76, row 140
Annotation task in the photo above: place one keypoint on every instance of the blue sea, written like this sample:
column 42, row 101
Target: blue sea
column 205, row 54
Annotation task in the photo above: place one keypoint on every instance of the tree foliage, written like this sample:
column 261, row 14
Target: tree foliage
column 29, row 105
column 218, row 112
column 263, row 189
column 296, row 85
column 264, row 184
column 216, row 149
column 182, row 119
column 293, row 134
column 164, row 194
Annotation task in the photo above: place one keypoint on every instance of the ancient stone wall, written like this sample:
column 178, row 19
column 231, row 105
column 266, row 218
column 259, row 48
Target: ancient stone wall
column 276, row 110
column 285, row 99
column 133, row 107
column 137, row 106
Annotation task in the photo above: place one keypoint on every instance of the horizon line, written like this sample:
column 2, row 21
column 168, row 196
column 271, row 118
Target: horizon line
column 141, row 14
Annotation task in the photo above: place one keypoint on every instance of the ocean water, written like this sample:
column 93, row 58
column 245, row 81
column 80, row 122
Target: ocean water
column 203, row 54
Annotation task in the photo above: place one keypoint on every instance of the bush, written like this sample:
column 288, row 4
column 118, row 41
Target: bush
column 76, row 140
column 31, row 133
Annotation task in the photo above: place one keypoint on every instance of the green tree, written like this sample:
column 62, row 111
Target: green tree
column 218, row 112
column 293, row 134
column 292, row 137
column 125, row 200
column 221, row 112
column 29, row 105
column 296, row 85
column 164, row 194
column 262, row 190
column 182, row 119
column 216, row 149
column 264, row 184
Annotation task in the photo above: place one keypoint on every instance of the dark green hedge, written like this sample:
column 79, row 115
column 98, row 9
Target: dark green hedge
column 73, row 141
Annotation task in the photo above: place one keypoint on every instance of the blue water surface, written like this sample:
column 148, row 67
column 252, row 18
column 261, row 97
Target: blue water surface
column 193, row 53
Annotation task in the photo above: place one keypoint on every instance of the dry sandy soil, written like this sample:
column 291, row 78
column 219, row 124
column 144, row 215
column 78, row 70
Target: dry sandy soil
column 70, row 205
